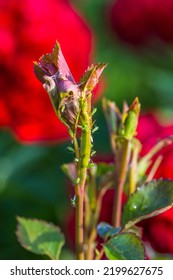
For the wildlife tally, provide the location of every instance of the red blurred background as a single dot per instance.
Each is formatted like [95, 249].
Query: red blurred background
[135, 38]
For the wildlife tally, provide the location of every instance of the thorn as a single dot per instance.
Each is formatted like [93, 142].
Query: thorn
[71, 149]
[62, 108]
[94, 111]
[95, 129]
[93, 153]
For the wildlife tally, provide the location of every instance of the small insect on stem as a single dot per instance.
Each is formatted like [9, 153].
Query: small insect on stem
[73, 201]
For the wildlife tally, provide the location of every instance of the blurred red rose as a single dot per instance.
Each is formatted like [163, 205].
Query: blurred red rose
[139, 22]
[158, 232]
[29, 29]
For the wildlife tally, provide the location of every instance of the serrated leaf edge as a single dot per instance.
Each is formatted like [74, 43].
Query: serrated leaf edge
[44, 222]
[158, 211]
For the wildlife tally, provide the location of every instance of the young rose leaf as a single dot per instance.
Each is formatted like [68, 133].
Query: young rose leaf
[51, 64]
[65, 94]
[91, 77]
[149, 200]
[112, 114]
[105, 230]
[53, 72]
[125, 246]
[39, 72]
[40, 237]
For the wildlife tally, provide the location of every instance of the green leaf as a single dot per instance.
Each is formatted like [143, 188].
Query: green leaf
[40, 73]
[149, 200]
[105, 230]
[112, 114]
[40, 237]
[91, 77]
[125, 246]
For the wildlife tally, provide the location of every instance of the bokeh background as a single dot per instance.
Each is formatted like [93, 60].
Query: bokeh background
[135, 38]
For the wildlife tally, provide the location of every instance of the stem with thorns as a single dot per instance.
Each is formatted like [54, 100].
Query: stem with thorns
[82, 165]
[79, 223]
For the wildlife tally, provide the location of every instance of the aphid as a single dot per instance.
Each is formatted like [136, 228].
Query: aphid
[73, 201]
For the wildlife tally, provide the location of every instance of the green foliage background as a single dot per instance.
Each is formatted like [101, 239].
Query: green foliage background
[31, 181]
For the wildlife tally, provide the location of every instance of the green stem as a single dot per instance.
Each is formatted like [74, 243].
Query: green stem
[101, 253]
[90, 250]
[85, 153]
[90, 226]
[79, 203]
[84, 159]
[87, 216]
[121, 173]
[95, 218]
[79, 223]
